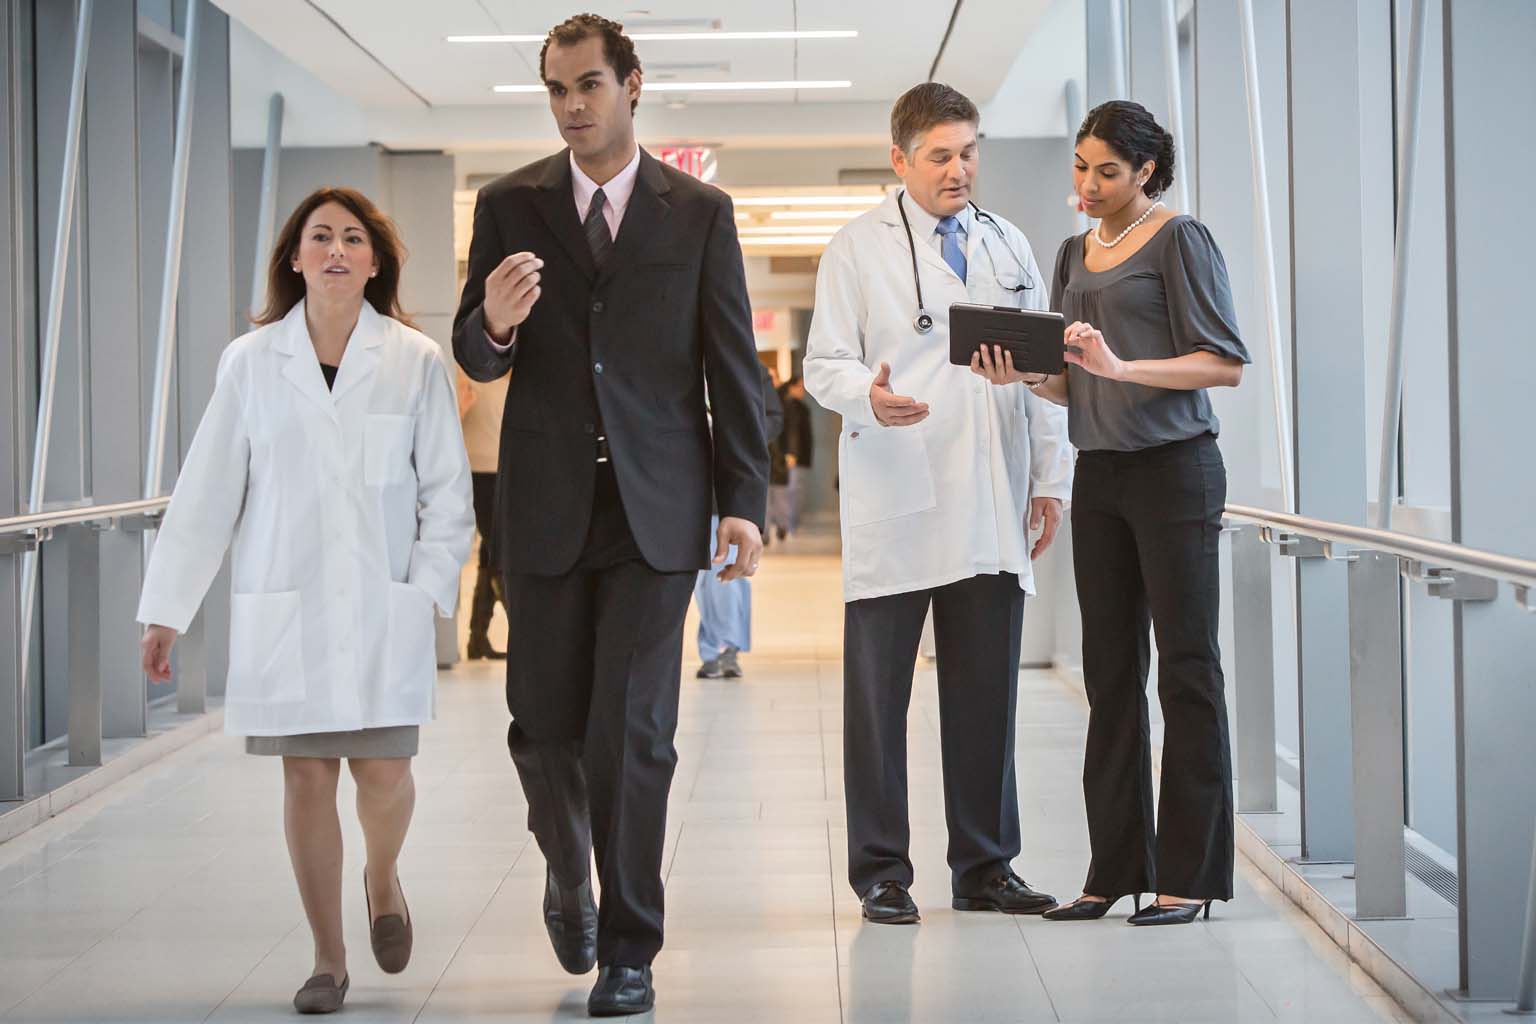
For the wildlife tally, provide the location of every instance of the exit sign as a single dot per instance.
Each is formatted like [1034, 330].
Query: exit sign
[698, 161]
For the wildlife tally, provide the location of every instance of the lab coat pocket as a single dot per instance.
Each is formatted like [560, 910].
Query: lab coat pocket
[266, 653]
[886, 474]
[411, 668]
[387, 446]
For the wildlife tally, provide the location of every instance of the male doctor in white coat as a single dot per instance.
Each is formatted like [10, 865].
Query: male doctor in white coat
[943, 477]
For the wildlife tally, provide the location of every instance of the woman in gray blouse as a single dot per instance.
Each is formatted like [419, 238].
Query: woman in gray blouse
[1151, 327]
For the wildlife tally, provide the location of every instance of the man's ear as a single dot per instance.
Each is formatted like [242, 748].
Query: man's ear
[898, 161]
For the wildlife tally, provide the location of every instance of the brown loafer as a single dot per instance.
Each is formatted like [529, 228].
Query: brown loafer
[321, 994]
[390, 935]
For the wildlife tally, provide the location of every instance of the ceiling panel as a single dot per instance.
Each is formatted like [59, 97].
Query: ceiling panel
[893, 50]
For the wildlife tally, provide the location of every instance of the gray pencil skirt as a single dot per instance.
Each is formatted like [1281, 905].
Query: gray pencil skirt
[390, 741]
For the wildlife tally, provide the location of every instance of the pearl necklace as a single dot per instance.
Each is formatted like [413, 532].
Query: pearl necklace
[1097, 237]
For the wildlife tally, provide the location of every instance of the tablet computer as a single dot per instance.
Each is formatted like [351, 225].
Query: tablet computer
[1034, 337]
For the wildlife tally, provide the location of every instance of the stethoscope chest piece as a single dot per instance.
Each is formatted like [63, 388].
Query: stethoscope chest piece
[922, 323]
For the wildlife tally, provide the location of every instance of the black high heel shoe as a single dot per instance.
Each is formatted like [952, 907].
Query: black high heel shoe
[1171, 913]
[1082, 909]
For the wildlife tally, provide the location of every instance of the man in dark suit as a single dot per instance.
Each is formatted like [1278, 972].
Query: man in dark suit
[613, 287]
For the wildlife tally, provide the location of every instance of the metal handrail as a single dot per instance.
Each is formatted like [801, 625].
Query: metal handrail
[25, 524]
[1520, 572]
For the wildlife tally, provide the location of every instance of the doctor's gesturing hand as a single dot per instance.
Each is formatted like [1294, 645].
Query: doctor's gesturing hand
[510, 292]
[1045, 516]
[156, 646]
[891, 409]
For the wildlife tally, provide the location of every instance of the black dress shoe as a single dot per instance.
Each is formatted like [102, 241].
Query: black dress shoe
[1171, 913]
[570, 915]
[890, 903]
[480, 647]
[1085, 909]
[1006, 893]
[621, 991]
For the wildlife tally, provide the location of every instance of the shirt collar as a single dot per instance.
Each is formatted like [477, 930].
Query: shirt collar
[617, 190]
[925, 224]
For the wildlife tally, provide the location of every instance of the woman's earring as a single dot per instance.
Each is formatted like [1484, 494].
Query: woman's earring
[295, 268]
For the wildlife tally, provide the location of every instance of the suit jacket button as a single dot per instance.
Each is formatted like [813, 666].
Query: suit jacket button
[597, 368]
[597, 307]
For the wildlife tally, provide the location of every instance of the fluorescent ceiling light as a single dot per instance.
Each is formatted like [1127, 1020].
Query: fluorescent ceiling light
[867, 200]
[658, 37]
[774, 229]
[787, 240]
[815, 214]
[704, 86]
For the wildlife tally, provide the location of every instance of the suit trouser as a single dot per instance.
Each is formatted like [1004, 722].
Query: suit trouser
[483, 603]
[977, 625]
[1145, 533]
[594, 661]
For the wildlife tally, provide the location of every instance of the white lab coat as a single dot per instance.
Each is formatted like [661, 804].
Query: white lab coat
[948, 499]
[350, 516]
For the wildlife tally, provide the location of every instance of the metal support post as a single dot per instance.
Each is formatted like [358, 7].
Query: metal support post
[192, 667]
[49, 370]
[1254, 657]
[1122, 59]
[1182, 156]
[1266, 246]
[84, 541]
[266, 218]
[1376, 734]
[165, 354]
[1392, 408]
[1525, 997]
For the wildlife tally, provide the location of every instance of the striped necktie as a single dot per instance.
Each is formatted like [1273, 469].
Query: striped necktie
[595, 227]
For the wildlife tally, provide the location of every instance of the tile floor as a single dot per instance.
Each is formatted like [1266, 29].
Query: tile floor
[168, 898]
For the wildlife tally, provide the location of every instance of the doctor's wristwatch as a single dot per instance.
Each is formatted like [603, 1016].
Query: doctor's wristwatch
[1034, 385]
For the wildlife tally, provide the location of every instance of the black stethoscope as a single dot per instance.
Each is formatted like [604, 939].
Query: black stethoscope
[923, 322]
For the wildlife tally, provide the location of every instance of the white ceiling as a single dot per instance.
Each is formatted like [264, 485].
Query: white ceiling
[389, 61]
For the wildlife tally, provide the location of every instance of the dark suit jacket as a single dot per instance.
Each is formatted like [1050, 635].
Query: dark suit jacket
[636, 343]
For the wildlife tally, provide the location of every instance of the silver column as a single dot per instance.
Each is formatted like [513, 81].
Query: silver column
[84, 541]
[1253, 637]
[1170, 15]
[266, 218]
[1376, 731]
[1266, 247]
[165, 353]
[48, 371]
[1392, 408]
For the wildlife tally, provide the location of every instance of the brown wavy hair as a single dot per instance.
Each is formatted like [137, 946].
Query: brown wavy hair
[285, 288]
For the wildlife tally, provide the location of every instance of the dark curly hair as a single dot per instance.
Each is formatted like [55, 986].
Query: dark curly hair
[1136, 137]
[618, 48]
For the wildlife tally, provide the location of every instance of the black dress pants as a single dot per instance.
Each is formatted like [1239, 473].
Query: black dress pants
[594, 661]
[483, 603]
[977, 626]
[1145, 529]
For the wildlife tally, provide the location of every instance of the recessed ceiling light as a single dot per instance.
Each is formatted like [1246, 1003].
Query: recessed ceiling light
[702, 86]
[866, 200]
[674, 37]
[815, 214]
[786, 240]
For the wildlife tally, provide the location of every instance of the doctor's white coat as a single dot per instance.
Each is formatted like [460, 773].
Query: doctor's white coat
[928, 505]
[350, 515]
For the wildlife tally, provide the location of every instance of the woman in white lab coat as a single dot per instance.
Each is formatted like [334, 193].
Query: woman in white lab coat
[331, 463]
